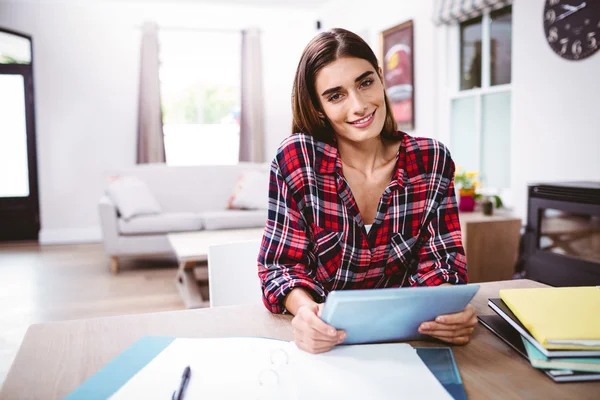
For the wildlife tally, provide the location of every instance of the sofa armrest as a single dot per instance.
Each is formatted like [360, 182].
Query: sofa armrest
[109, 224]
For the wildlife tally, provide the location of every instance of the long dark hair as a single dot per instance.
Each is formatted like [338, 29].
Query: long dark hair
[322, 50]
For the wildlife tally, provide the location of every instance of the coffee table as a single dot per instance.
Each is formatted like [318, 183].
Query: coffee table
[191, 248]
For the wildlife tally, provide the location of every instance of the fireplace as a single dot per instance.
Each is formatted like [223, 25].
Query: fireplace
[562, 238]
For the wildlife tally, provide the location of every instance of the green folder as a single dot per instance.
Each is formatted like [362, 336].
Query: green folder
[538, 360]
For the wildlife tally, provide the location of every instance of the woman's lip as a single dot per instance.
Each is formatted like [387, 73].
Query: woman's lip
[366, 123]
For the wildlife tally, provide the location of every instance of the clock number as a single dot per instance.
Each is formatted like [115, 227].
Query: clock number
[592, 40]
[565, 43]
[553, 34]
[550, 16]
[576, 48]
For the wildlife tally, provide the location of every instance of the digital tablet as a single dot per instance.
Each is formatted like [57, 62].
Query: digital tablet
[381, 315]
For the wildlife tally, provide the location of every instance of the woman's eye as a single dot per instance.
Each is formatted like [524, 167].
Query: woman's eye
[367, 83]
[334, 97]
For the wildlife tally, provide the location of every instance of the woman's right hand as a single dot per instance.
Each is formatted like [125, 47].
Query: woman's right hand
[313, 335]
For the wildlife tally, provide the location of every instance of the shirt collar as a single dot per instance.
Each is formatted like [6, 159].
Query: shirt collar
[328, 160]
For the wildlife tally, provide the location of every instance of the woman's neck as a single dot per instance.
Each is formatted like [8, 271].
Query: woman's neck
[366, 157]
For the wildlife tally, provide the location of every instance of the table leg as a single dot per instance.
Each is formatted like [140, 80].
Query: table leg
[188, 286]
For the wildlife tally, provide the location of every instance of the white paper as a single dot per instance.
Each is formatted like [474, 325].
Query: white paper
[377, 371]
[264, 369]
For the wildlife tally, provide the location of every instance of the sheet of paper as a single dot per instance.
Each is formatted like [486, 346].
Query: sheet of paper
[264, 369]
[378, 371]
[231, 368]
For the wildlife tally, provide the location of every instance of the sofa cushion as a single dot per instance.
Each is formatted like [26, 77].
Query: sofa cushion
[232, 219]
[251, 191]
[161, 223]
[132, 197]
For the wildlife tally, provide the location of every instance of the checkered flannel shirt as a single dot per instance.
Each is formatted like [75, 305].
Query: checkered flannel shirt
[315, 238]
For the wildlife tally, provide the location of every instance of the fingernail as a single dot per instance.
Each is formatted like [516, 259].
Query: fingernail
[439, 319]
[332, 332]
[424, 327]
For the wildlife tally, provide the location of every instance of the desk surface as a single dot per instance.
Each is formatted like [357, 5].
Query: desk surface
[55, 358]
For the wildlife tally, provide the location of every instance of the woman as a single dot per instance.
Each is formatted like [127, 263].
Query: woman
[354, 203]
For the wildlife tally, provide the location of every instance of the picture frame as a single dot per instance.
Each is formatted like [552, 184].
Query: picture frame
[397, 63]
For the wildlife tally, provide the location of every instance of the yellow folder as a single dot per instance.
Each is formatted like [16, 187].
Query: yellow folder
[558, 318]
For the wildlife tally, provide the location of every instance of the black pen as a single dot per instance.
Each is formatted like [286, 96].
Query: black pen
[185, 378]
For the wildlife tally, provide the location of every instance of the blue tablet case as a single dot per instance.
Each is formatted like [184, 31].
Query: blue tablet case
[381, 315]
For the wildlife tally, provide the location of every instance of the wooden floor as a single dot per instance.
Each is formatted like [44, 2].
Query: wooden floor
[50, 283]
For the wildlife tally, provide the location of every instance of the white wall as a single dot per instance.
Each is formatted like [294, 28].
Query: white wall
[556, 103]
[371, 18]
[556, 109]
[86, 56]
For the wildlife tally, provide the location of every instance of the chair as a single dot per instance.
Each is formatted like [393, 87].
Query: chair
[233, 274]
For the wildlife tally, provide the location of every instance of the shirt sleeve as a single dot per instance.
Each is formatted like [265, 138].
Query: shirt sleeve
[284, 260]
[442, 257]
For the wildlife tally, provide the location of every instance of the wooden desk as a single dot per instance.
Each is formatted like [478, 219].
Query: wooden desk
[491, 244]
[55, 358]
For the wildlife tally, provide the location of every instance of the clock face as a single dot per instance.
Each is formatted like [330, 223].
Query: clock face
[572, 27]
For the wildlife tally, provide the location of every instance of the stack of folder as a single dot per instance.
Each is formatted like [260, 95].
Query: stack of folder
[556, 329]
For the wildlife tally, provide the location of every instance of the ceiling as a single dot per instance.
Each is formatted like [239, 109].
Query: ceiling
[269, 3]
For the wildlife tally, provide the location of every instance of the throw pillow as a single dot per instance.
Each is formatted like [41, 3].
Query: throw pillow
[251, 191]
[132, 197]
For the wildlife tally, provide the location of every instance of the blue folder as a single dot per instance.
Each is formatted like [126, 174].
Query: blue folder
[122, 368]
[116, 373]
[440, 362]
[392, 314]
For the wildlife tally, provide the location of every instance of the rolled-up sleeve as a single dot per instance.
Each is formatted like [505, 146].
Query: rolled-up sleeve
[442, 257]
[284, 260]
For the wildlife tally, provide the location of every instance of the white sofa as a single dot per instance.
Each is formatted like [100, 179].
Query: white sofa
[191, 198]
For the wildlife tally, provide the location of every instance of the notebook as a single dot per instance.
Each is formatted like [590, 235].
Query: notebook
[558, 318]
[259, 368]
[392, 314]
[499, 327]
[502, 310]
[538, 360]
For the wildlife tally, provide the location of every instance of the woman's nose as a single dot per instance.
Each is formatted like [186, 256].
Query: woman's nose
[359, 105]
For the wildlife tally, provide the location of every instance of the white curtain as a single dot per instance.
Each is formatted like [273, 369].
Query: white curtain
[252, 137]
[150, 140]
[452, 11]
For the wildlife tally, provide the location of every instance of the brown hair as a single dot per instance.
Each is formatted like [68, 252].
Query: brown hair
[322, 50]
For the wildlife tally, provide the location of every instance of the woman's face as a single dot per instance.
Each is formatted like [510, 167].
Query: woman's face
[352, 98]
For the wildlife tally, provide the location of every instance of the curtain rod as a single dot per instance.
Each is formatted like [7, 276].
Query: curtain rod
[184, 29]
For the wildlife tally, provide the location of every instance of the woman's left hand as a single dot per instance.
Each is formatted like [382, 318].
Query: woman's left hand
[452, 328]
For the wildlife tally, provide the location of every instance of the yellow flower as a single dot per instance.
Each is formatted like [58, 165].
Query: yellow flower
[476, 184]
[472, 174]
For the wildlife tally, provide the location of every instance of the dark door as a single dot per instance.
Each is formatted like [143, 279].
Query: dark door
[19, 202]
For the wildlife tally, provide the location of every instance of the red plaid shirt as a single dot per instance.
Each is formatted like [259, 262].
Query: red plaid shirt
[315, 237]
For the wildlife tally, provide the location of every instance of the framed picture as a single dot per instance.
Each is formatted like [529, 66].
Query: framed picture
[397, 58]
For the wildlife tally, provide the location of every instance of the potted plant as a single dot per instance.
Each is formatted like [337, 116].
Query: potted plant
[467, 185]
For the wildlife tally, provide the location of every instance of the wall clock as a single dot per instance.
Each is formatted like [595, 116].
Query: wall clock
[572, 27]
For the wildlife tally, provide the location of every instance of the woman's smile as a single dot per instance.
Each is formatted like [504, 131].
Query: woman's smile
[365, 122]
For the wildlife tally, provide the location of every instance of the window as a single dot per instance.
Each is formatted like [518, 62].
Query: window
[14, 49]
[200, 91]
[480, 107]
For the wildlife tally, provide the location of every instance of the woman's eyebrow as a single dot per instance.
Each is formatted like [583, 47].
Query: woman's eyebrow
[335, 89]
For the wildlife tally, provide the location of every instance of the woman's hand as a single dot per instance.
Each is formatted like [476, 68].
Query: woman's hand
[452, 328]
[313, 335]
